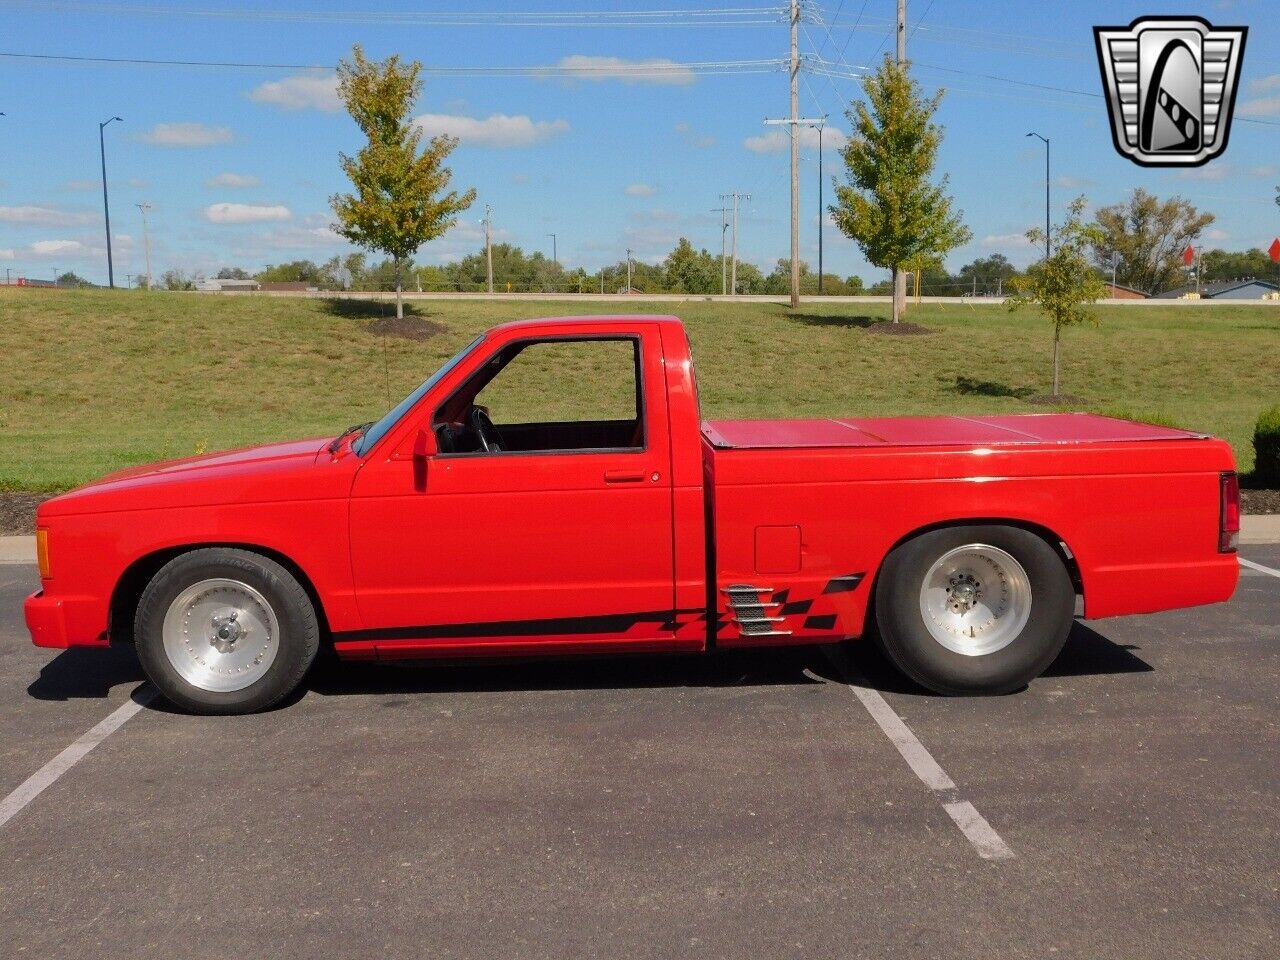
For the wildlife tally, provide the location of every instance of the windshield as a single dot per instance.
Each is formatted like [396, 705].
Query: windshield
[392, 417]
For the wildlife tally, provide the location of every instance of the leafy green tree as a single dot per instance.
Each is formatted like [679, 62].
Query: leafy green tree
[232, 273]
[1147, 235]
[888, 204]
[399, 202]
[1064, 285]
[299, 271]
[179, 280]
[72, 279]
[691, 271]
[1225, 265]
[991, 275]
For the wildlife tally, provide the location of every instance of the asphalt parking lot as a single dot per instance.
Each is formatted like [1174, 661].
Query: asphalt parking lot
[750, 806]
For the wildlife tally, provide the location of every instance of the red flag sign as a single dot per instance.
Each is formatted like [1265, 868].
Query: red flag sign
[1189, 255]
[1274, 250]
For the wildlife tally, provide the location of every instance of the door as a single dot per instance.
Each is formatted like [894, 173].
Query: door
[543, 517]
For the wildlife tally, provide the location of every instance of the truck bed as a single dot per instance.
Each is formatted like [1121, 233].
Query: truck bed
[992, 431]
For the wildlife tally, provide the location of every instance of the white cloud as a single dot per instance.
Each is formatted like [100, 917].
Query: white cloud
[656, 71]
[1261, 107]
[186, 135]
[1264, 170]
[640, 190]
[315, 90]
[777, 140]
[1213, 171]
[693, 137]
[44, 216]
[1269, 82]
[138, 183]
[1071, 183]
[245, 213]
[1217, 235]
[82, 185]
[8, 254]
[1004, 239]
[498, 130]
[233, 180]
[49, 248]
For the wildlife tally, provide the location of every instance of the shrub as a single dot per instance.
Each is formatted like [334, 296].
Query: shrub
[1266, 447]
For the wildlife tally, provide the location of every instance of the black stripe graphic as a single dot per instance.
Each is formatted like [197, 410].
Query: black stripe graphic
[554, 626]
[843, 584]
[824, 622]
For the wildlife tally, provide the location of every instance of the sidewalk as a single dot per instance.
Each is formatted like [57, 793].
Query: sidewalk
[1254, 528]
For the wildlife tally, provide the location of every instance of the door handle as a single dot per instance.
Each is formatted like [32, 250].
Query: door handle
[623, 476]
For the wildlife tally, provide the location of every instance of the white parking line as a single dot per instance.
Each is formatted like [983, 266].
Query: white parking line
[1259, 567]
[971, 823]
[47, 775]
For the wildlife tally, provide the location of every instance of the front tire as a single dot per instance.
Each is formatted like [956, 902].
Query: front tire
[223, 631]
[979, 609]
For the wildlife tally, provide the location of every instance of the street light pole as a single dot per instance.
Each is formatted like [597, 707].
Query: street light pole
[1046, 192]
[554, 256]
[106, 209]
[628, 270]
[144, 206]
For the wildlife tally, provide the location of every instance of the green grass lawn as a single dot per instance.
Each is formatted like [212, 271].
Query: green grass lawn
[95, 380]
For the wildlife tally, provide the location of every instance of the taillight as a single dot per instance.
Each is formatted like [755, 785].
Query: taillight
[1229, 514]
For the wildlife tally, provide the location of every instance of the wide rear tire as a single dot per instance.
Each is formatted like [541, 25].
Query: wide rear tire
[979, 609]
[222, 631]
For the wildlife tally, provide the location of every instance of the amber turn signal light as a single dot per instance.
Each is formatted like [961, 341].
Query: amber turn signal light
[42, 553]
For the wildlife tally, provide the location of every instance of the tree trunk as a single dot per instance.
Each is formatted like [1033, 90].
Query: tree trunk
[399, 299]
[1057, 340]
[899, 294]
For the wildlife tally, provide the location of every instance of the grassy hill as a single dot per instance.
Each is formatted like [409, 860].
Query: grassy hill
[91, 381]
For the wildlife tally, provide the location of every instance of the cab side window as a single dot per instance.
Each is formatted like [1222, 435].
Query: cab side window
[549, 396]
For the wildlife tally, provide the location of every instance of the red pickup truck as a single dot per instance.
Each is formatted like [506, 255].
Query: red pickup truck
[492, 512]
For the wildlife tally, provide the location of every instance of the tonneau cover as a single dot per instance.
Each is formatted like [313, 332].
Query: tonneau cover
[1055, 428]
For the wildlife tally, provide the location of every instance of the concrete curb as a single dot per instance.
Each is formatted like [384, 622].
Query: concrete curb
[1254, 528]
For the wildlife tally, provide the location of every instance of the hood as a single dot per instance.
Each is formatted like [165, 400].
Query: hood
[271, 471]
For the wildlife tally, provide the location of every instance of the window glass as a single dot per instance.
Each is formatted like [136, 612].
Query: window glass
[565, 381]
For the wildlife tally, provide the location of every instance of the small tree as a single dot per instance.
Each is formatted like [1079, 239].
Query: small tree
[1064, 285]
[399, 202]
[889, 206]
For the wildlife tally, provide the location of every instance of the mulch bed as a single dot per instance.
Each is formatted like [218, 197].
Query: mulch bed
[888, 328]
[18, 510]
[1061, 400]
[1259, 501]
[18, 513]
[409, 328]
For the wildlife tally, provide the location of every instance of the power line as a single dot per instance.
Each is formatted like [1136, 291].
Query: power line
[637, 69]
[673, 17]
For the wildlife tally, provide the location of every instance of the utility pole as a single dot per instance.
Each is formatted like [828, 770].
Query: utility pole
[488, 247]
[724, 263]
[900, 278]
[733, 259]
[1046, 192]
[145, 206]
[555, 258]
[821, 214]
[629, 270]
[902, 30]
[795, 123]
[106, 210]
[795, 152]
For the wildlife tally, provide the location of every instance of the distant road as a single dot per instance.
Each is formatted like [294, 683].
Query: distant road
[696, 298]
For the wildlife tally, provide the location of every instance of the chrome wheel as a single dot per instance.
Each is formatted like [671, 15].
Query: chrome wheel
[975, 599]
[221, 635]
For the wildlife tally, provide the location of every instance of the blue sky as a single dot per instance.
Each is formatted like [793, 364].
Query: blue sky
[238, 163]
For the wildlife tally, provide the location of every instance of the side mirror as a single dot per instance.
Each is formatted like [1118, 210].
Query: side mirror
[424, 445]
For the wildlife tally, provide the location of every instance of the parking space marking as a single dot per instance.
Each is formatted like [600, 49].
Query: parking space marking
[964, 814]
[47, 775]
[1259, 567]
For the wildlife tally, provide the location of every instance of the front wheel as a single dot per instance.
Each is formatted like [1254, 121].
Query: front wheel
[974, 609]
[222, 630]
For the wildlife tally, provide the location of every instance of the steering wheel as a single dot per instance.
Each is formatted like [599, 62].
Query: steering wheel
[485, 431]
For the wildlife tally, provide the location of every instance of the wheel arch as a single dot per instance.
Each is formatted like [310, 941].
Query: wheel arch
[1056, 541]
[133, 581]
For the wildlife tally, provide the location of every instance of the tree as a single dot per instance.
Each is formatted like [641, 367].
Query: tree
[889, 206]
[691, 271]
[1063, 285]
[72, 279]
[399, 202]
[991, 275]
[1227, 265]
[179, 280]
[232, 273]
[1148, 236]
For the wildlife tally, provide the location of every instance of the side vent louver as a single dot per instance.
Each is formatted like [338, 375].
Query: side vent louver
[754, 617]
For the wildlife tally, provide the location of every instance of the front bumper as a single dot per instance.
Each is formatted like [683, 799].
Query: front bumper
[48, 618]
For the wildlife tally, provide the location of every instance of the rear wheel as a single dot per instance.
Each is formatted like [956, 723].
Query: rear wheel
[222, 630]
[974, 609]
